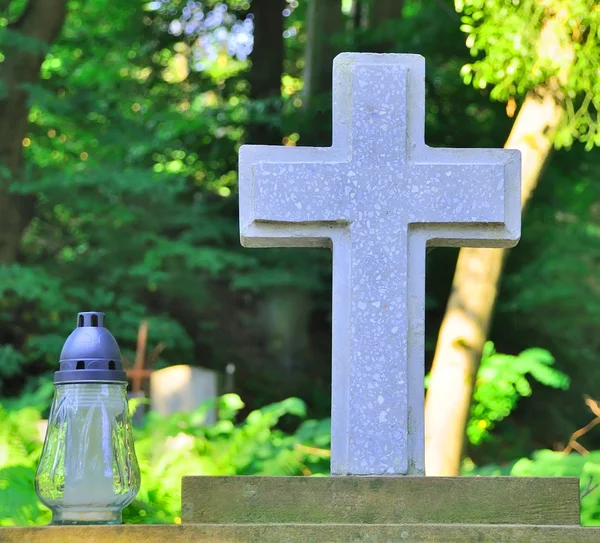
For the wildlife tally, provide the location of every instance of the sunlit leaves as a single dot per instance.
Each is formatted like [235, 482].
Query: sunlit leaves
[501, 380]
[509, 43]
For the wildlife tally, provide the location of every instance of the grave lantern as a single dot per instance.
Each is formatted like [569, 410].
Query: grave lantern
[88, 472]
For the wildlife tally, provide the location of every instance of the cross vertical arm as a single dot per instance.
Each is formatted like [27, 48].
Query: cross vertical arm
[377, 104]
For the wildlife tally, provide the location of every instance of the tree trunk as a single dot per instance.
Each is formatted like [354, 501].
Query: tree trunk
[381, 11]
[356, 15]
[324, 23]
[265, 74]
[41, 21]
[284, 311]
[380, 15]
[466, 323]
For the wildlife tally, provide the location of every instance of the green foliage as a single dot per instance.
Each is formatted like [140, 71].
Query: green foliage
[511, 44]
[20, 449]
[131, 156]
[502, 380]
[551, 294]
[169, 448]
[503, 36]
[129, 207]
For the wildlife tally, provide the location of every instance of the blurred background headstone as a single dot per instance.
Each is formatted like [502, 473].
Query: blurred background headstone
[183, 388]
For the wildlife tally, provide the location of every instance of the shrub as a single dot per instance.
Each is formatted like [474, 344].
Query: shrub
[169, 448]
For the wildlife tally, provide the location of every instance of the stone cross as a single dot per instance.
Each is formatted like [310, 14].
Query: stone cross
[378, 196]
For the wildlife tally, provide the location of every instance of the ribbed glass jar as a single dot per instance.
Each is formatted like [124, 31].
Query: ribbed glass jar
[88, 472]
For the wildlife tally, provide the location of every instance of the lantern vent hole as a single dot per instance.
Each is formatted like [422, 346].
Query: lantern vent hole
[111, 365]
[80, 365]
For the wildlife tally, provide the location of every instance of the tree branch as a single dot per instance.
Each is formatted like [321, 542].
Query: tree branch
[589, 488]
[573, 443]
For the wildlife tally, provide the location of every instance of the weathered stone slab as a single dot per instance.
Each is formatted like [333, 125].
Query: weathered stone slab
[381, 500]
[300, 533]
[183, 388]
[378, 196]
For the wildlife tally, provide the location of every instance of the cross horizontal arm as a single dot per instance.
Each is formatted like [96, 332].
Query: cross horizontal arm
[472, 192]
[261, 216]
[309, 192]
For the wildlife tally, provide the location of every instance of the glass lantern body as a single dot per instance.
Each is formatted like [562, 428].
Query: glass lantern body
[88, 472]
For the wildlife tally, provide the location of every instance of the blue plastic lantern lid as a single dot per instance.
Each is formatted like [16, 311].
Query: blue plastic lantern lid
[90, 354]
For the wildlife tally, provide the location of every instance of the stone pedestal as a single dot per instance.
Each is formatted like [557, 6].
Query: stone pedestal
[381, 500]
[302, 533]
[352, 509]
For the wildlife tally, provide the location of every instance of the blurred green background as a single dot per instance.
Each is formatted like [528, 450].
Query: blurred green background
[120, 124]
